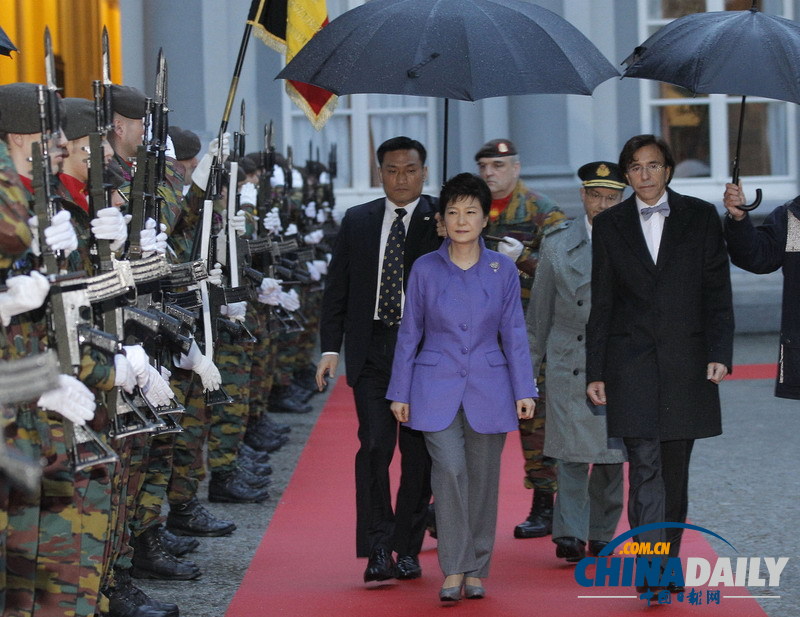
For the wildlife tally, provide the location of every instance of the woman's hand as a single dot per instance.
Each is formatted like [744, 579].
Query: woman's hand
[525, 407]
[400, 411]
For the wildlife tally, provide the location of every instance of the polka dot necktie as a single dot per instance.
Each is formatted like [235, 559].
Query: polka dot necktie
[392, 272]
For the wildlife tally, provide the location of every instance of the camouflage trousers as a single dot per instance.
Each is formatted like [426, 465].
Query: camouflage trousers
[157, 471]
[296, 349]
[540, 470]
[262, 370]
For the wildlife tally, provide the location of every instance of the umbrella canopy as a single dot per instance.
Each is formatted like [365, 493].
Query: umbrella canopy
[744, 53]
[6, 46]
[458, 49]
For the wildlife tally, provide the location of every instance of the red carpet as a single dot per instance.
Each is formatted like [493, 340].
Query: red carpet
[754, 371]
[306, 565]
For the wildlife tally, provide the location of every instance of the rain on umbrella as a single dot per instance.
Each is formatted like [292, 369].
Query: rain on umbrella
[6, 46]
[745, 53]
[451, 49]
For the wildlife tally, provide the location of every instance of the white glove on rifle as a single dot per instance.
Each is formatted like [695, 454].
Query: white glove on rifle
[215, 274]
[311, 209]
[124, 376]
[272, 221]
[156, 388]
[312, 271]
[321, 265]
[290, 301]
[322, 215]
[235, 311]
[291, 230]
[71, 399]
[314, 237]
[278, 177]
[59, 235]
[139, 361]
[169, 148]
[269, 292]
[510, 247]
[25, 293]
[239, 222]
[149, 241]
[111, 224]
[248, 194]
[203, 169]
[201, 364]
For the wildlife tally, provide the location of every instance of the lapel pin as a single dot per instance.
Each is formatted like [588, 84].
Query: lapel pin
[494, 265]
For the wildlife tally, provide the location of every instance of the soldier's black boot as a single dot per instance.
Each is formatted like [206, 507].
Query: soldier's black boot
[177, 545]
[264, 441]
[540, 521]
[151, 560]
[127, 600]
[192, 519]
[280, 401]
[230, 487]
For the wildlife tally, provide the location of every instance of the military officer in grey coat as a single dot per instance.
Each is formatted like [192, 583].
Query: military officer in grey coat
[589, 470]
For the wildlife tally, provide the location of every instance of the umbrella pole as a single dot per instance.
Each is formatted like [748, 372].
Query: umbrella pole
[735, 171]
[444, 141]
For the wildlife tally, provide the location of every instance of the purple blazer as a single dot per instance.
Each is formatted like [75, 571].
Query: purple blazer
[448, 350]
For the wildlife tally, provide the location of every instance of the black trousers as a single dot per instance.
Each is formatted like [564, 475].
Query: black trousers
[378, 525]
[658, 476]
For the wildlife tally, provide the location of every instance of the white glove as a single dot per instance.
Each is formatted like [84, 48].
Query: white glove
[269, 292]
[239, 222]
[510, 247]
[165, 372]
[235, 311]
[202, 365]
[215, 274]
[272, 221]
[290, 301]
[311, 209]
[314, 237]
[291, 230]
[25, 293]
[321, 265]
[150, 242]
[74, 401]
[111, 224]
[59, 235]
[278, 178]
[297, 179]
[156, 388]
[140, 363]
[124, 375]
[324, 178]
[203, 169]
[213, 146]
[248, 194]
[169, 149]
[322, 215]
[312, 271]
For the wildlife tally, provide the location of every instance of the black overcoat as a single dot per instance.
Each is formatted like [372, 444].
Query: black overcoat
[654, 327]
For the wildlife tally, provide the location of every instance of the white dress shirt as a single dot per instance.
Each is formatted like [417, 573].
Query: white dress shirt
[653, 227]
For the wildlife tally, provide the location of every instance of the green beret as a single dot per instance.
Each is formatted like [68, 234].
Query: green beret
[19, 108]
[186, 143]
[602, 174]
[128, 101]
[80, 119]
[496, 148]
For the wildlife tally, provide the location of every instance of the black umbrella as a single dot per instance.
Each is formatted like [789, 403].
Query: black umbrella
[744, 53]
[6, 46]
[460, 49]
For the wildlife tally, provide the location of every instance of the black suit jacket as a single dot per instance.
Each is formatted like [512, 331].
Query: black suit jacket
[351, 287]
[654, 327]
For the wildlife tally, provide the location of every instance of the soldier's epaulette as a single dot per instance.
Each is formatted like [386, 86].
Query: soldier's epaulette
[559, 226]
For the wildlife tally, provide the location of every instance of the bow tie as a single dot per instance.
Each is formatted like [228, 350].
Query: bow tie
[663, 208]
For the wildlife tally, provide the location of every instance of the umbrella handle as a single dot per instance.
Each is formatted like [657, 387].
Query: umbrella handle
[756, 201]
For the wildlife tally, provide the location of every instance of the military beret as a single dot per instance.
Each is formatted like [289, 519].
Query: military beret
[186, 143]
[602, 174]
[496, 148]
[80, 119]
[19, 108]
[128, 101]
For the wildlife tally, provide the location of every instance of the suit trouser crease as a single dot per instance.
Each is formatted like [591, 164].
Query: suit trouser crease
[589, 501]
[378, 525]
[465, 478]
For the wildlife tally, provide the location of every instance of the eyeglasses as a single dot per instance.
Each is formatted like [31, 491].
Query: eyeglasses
[609, 199]
[650, 167]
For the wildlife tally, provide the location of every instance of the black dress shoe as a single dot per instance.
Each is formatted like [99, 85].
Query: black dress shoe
[192, 519]
[569, 548]
[408, 567]
[177, 545]
[595, 546]
[230, 487]
[151, 560]
[380, 566]
[127, 600]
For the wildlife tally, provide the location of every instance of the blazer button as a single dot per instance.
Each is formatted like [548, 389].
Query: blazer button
[464, 350]
[576, 372]
[580, 337]
[463, 326]
[580, 302]
[463, 372]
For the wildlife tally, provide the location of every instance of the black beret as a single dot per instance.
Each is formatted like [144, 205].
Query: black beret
[186, 143]
[19, 108]
[128, 101]
[602, 174]
[80, 119]
[496, 148]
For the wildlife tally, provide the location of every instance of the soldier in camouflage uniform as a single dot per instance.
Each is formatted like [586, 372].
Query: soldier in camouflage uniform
[520, 216]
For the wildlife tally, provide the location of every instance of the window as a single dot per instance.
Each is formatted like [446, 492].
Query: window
[702, 129]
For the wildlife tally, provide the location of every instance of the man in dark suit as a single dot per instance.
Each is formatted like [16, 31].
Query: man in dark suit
[375, 248]
[660, 332]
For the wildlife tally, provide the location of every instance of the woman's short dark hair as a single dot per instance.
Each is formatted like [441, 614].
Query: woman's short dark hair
[640, 141]
[401, 143]
[462, 186]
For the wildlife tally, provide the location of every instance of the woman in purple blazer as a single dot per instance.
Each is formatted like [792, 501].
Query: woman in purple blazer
[462, 374]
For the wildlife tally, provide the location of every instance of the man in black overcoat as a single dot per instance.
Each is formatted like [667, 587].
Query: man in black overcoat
[660, 333]
[351, 311]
